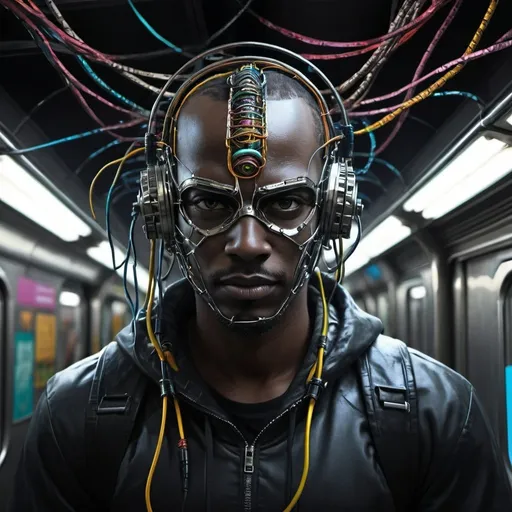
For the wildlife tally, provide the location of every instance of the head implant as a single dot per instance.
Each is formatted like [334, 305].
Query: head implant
[246, 138]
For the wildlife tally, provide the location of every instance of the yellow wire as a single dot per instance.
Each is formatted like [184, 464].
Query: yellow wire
[151, 293]
[100, 172]
[163, 357]
[438, 83]
[181, 430]
[157, 455]
[317, 369]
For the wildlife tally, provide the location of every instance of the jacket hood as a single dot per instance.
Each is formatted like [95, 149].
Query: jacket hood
[351, 332]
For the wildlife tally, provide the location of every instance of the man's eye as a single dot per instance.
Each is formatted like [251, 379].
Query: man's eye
[287, 203]
[208, 204]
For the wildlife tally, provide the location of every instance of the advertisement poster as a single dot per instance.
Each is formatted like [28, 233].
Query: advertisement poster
[35, 343]
[23, 399]
[46, 338]
[36, 295]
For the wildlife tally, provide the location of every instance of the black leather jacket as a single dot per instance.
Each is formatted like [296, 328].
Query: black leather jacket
[460, 466]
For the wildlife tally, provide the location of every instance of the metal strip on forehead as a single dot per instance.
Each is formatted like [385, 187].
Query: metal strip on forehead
[247, 122]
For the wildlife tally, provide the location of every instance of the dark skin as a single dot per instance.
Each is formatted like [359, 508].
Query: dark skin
[249, 366]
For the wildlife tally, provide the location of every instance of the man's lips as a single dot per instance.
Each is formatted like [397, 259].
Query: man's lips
[247, 287]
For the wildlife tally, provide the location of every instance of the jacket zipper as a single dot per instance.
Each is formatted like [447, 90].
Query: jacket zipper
[248, 471]
[248, 449]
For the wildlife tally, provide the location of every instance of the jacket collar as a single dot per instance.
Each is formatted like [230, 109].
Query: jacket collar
[351, 331]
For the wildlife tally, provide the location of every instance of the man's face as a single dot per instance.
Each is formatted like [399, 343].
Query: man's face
[248, 269]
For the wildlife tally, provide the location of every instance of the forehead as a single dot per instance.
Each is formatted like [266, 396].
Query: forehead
[292, 140]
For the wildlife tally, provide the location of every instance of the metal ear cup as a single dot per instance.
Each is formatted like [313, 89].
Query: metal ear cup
[340, 202]
[155, 202]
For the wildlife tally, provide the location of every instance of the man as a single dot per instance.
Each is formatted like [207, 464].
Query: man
[246, 346]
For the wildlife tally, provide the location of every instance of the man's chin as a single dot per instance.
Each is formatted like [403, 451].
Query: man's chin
[250, 318]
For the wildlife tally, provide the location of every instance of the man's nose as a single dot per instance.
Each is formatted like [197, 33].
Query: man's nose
[248, 240]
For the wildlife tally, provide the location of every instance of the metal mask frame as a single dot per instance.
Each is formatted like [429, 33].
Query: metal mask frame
[161, 197]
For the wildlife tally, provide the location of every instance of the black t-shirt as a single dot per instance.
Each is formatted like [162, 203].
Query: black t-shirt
[250, 419]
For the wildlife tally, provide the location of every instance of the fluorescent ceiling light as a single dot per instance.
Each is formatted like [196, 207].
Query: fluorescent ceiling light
[103, 255]
[387, 234]
[509, 119]
[25, 194]
[480, 165]
[118, 308]
[69, 299]
[418, 292]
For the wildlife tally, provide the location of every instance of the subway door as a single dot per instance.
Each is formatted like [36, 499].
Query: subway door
[485, 287]
[415, 313]
[72, 344]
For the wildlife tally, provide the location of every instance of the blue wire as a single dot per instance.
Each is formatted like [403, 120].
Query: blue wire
[369, 178]
[109, 89]
[389, 165]
[159, 282]
[109, 234]
[152, 30]
[125, 270]
[130, 174]
[55, 142]
[97, 79]
[80, 168]
[373, 147]
[135, 215]
[364, 197]
[124, 193]
[464, 94]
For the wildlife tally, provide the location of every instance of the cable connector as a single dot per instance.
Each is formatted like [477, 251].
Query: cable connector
[183, 454]
[322, 342]
[166, 385]
[315, 387]
[150, 143]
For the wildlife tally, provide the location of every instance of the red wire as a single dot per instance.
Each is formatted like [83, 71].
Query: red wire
[466, 58]
[419, 70]
[66, 72]
[84, 48]
[436, 5]
[355, 53]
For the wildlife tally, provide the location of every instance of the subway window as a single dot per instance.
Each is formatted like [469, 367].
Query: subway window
[416, 321]
[115, 315]
[383, 310]
[508, 366]
[359, 301]
[71, 332]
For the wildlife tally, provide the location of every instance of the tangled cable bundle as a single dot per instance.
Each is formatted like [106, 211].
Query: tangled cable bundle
[247, 127]
[246, 120]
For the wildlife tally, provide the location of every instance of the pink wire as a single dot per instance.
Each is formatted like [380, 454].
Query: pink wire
[355, 53]
[436, 4]
[84, 48]
[419, 70]
[344, 55]
[71, 78]
[466, 58]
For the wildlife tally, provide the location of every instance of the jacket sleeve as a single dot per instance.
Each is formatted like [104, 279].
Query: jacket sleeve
[45, 480]
[471, 476]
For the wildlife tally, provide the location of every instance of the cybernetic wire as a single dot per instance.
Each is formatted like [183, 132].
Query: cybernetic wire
[247, 126]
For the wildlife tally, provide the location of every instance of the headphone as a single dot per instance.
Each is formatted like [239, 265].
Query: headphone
[157, 197]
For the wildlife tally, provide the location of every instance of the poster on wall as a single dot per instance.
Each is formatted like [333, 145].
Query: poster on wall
[23, 399]
[46, 338]
[35, 343]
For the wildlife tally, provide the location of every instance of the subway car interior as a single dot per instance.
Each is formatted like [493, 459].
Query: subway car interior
[433, 260]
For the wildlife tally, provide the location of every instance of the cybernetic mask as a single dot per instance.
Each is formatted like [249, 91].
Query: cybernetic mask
[326, 208]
